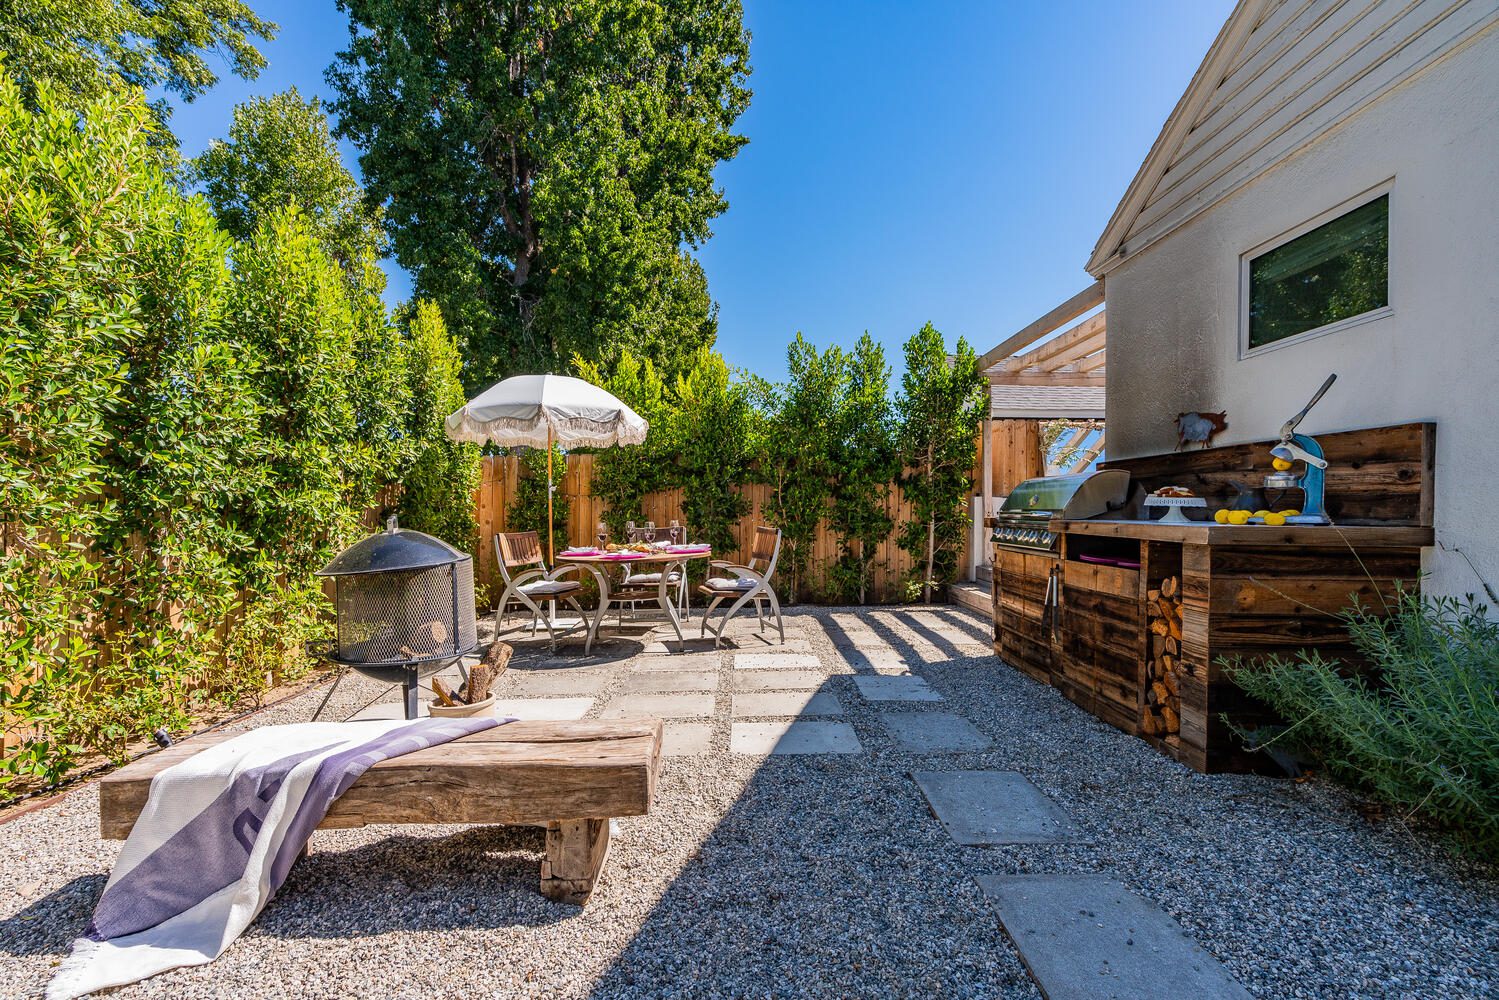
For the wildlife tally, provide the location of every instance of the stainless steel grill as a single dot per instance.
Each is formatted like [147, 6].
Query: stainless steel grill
[405, 604]
[1023, 522]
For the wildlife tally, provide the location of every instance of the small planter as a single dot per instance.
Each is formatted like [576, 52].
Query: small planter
[440, 711]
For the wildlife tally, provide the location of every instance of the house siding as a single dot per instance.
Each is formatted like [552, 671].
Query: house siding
[1174, 308]
[1306, 66]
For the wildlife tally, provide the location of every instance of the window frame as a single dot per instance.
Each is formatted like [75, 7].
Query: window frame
[1275, 242]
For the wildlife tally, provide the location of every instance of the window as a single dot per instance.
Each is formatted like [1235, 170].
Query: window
[1335, 272]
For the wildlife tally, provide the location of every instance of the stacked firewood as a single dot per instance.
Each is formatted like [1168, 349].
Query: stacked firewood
[1162, 716]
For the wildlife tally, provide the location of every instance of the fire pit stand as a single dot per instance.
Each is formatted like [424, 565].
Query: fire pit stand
[405, 604]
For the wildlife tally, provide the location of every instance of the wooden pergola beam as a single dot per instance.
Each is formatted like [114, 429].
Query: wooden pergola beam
[1074, 307]
[1092, 362]
[1083, 339]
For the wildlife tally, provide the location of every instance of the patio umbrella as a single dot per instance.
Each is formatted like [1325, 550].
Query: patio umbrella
[543, 410]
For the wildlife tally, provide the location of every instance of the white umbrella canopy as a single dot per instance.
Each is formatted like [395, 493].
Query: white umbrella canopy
[543, 410]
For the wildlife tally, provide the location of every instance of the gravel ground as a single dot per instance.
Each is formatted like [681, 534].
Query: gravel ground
[816, 876]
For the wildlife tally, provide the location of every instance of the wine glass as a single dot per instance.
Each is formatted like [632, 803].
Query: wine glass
[650, 531]
[629, 532]
[602, 534]
[675, 531]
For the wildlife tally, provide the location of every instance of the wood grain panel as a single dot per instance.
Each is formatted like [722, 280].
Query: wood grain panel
[1379, 475]
[518, 773]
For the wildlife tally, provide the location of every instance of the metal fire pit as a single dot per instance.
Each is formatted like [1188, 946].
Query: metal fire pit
[405, 603]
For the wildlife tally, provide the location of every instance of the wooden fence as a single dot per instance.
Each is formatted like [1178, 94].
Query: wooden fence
[574, 483]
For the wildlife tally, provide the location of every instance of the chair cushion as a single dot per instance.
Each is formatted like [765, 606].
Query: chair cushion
[635, 578]
[729, 583]
[549, 587]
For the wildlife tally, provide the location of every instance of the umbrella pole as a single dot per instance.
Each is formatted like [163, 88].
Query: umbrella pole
[551, 555]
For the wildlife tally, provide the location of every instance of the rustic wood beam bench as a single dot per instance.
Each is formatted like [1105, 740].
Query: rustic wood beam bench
[569, 777]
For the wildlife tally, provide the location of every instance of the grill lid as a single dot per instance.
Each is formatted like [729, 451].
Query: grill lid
[1086, 495]
[393, 550]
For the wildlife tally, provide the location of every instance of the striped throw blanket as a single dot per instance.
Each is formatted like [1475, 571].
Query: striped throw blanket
[216, 839]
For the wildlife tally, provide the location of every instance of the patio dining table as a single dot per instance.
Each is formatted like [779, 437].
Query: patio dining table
[663, 560]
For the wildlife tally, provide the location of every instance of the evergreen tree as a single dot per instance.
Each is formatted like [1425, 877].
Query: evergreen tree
[547, 167]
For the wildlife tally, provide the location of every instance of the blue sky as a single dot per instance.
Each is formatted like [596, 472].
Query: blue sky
[953, 165]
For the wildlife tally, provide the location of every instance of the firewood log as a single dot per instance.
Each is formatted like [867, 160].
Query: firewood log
[1170, 720]
[1160, 627]
[1149, 724]
[441, 690]
[1162, 695]
[1169, 587]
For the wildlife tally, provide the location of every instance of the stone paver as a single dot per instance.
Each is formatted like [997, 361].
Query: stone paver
[793, 738]
[769, 643]
[877, 661]
[686, 739]
[677, 661]
[691, 644]
[662, 706]
[671, 680]
[909, 688]
[1088, 937]
[760, 704]
[926, 732]
[778, 680]
[993, 807]
[531, 683]
[776, 661]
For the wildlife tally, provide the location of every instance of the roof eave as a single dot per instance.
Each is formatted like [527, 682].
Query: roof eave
[1110, 250]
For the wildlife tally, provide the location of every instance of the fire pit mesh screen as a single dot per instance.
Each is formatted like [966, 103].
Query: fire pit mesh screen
[405, 616]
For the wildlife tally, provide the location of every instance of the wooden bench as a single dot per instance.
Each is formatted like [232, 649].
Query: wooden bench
[569, 777]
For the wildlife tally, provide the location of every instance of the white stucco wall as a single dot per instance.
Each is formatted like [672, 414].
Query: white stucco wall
[1174, 308]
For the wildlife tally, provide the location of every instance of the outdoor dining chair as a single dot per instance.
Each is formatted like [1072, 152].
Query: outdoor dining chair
[530, 584]
[676, 578]
[749, 583]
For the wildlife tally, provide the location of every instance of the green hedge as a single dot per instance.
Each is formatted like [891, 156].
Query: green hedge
[189, 426]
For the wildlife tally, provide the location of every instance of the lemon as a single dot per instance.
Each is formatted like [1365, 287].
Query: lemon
[1221, 516]
[1280, 464]
[1260, 513]
[1289, 513]
[1275, 520]
[1238, 517]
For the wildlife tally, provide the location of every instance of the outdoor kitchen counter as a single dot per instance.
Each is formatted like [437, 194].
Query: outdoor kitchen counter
[1212, 533]
[1142, 618]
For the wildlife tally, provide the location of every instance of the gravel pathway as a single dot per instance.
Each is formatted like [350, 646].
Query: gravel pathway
[818, 875]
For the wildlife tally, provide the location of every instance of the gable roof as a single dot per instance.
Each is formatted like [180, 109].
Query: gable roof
[1231, 38]
[1280, 75]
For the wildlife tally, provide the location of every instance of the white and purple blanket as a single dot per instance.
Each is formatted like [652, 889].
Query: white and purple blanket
[217, 837]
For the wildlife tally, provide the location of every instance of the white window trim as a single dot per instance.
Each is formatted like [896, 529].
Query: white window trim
[1343, 208]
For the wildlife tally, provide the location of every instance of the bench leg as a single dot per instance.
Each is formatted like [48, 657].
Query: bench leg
[576, 849]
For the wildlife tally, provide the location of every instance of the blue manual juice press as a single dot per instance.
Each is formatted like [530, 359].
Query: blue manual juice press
[1312, 481]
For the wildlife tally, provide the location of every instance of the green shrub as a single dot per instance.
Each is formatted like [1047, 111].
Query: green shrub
[1422, 730]
[708, 433]
[527, 511]
[439, 481]
[189, 427]
[623, 475]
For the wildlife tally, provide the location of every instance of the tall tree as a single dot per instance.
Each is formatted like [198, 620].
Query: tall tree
[796, 452]
[547, 166]
[84, 46]
[863, 462]
[280, 152]
[942, 399]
